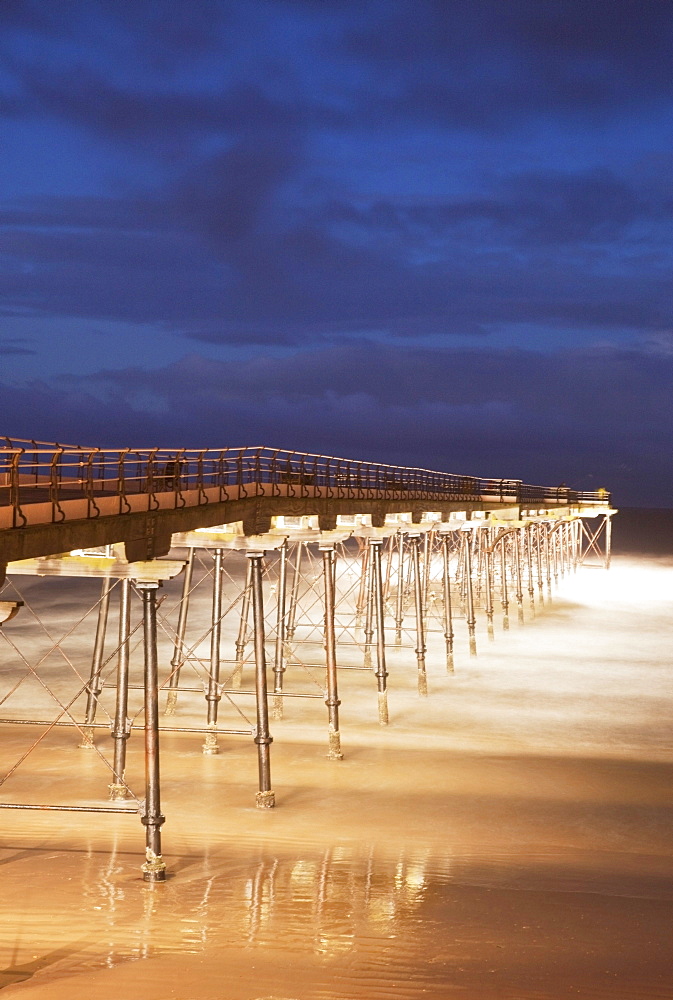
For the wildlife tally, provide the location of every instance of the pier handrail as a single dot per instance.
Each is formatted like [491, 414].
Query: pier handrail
[32, 472]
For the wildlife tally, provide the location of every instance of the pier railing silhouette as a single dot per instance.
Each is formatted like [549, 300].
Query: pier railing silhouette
[41, 484]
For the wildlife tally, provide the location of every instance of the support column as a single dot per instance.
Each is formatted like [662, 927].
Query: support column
[504, 598]
[265, 798]
[555, 551]
[538, 558]
[469, 598]
[213, 694]
[121, 729]
[381, 671]
[418, 602]
[369, 606]
[154, 869]
[576, 538]
[528, 543]
[241, 640]
[294, 594]
[608, 540]
[179, 650]
[519, 573]
[489, 591]
[427, 559]
[399, 604]
[548, 558]
[94, 686]
[279, 657]
[448, 616]
[362, 592]
[332, 699]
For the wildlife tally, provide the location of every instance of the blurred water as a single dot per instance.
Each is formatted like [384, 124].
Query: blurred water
[509, 836]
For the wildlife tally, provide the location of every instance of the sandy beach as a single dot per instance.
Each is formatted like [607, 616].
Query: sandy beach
[508, 836]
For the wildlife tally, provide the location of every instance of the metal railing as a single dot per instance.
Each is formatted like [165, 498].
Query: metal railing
[169, 478]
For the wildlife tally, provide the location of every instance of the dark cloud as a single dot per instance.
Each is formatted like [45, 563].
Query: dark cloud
[488, 64]
[212, 256]
[342, 180]
[15, 345]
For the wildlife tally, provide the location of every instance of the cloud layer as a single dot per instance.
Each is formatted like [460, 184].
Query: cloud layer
[408, 226]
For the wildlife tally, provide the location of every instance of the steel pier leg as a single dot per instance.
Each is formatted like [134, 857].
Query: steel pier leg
[241, 640]
[528, 542]
[469, 597]
[265, 798]
[399, 604]
[519, 572]
[294, 594]
[369, 607]
[381, 671]
[538, 559]
[121, 729]
[575, 539]
[94, 686]
[364, 569]
[548, 559]
[503, 584]
[489, 593]
[279, 657]
[389, 567]
[448, 616]
[179, 650]
[608, 540]
[154, 869]
[418, 601]
[332, 700]
[427, 550]
[555, 551]
[213, 694]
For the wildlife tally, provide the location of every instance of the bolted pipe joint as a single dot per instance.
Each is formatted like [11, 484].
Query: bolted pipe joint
[154, 867]
[118, 792]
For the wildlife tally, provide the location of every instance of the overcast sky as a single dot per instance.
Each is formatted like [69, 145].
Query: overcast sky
[428, 232]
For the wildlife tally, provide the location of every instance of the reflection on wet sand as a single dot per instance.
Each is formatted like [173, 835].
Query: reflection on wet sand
[509, 836]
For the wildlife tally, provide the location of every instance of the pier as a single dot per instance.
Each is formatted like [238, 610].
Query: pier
[307, 566]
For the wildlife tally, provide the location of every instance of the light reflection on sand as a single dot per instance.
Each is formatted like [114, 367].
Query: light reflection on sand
[510, 836]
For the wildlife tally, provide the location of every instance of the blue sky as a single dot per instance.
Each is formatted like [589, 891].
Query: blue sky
[433, 232]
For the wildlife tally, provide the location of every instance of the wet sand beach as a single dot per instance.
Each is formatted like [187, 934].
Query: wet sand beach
[508, 836]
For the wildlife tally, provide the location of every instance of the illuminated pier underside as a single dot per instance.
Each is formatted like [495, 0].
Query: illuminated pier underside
[319, 548]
